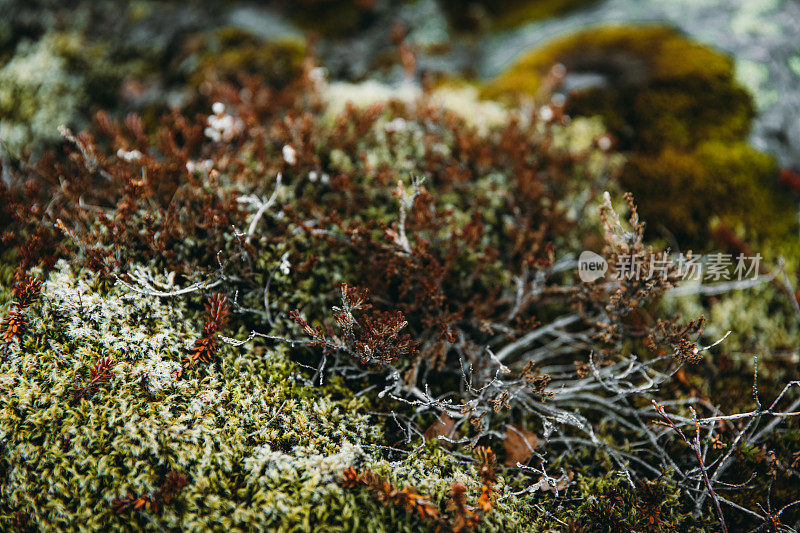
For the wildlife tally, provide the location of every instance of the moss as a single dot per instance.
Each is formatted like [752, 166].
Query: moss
[230, 52]
[679, 113]
[761, 320]
[675, 104]
[37, 94]
[507, 13]
[53, 82]
[63, 462]
[655, 48]
[716, 182]
[610, 504]
[659, 88]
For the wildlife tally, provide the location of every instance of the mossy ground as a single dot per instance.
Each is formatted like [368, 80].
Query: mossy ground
[63, 462]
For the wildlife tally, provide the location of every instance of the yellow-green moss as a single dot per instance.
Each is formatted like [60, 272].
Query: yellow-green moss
[661, 49]
[262, 450]
[684, 190]
[230, 52]
[661, 87]
[38, 92]
[506, 14]
[54, 81]
[675, 105]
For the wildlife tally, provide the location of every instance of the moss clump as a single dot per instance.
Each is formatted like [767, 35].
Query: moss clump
[52, 82]
[38, 92]
[230, 52]
[658, 87]
[676, 106]
[506, 13]
[731, 181]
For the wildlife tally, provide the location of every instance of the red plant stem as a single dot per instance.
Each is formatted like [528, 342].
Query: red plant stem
[696, 449]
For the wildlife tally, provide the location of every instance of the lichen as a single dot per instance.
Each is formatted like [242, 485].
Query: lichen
[37, 94]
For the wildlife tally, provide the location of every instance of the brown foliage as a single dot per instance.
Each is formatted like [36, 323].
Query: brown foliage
[154, 502]
[25, 291]
[217, 313]
[388, 494]
[672, 333]
[99, 373]
[444, 426]
[519, 445]
[366, 334]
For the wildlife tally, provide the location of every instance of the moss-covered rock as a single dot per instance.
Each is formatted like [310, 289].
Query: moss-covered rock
[676, 106]
[687, 191]
[229, 52]
[654, 87]
[468, 14]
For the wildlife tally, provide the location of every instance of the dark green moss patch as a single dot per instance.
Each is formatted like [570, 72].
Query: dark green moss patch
[675, 106]
[230, 52]
[730, 181]
[470, 14]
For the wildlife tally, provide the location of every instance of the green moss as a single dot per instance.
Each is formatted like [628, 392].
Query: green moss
[675, 104]
[655, 48]
[506, 14]
[716, 182]
[761, 320]
[62, 462]
[230, 52]
[37, 94]
[53, 82]
[660, 89]
[680, 112]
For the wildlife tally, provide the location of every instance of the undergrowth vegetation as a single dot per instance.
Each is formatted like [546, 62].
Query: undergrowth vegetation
[276, 315]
